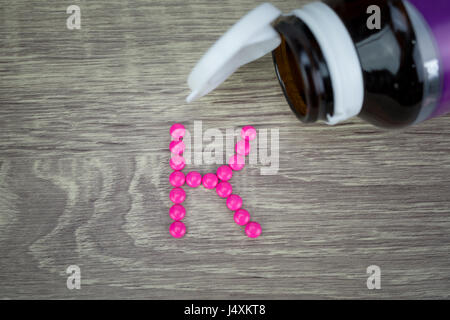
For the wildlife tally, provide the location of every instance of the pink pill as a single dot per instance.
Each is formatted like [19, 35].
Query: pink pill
[224, 173]
[210, 180]
[193, 179]
[177, 212]
[177, 195]
[234, 202]
[236, 162]
[177, 147]
[177, 178]
[177, 131]
[243, 147]
[241, 217]
[177, 229]
[224, 189]
[248, 133]
[177, 162]
[253, 229]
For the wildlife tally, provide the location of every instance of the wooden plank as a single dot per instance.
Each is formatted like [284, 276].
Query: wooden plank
[84, 122]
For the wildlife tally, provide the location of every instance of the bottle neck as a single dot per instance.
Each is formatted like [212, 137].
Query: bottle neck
[318, 66]
[302, 71]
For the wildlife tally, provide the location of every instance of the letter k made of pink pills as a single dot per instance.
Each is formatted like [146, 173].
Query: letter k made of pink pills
[218, 181]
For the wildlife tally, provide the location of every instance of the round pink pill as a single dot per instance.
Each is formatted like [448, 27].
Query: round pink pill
[210, 181]
[177, 131]
[224, 189]
[253, 229]
[236, 162]
[243, 147]
[177, 178]
[177, 147]
[248, 133]
[177, 162]
[234, 202]
[241, 217]
[193, 179]
[177, 195]
[177, 212]
[177, 229]
[224, 172]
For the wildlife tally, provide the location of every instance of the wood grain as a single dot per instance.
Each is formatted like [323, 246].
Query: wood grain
[84, 119]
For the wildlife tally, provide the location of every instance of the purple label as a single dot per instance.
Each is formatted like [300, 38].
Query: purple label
[437, 15]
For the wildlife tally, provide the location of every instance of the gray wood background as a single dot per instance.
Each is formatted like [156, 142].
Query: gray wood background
[84, 120]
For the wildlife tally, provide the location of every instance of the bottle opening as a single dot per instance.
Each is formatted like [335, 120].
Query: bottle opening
[290, 78]
[324, 61]
[302, 71]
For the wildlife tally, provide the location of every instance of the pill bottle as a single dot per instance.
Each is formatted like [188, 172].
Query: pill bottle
[386, 61]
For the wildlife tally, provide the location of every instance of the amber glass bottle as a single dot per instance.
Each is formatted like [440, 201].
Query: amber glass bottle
[386, 61]
[399, 60]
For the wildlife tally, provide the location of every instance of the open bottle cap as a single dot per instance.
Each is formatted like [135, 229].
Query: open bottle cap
[249, 39]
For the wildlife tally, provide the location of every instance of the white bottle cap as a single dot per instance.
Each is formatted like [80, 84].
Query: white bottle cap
[249, 39]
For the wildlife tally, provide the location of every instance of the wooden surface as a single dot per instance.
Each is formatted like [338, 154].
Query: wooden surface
[84, 119]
